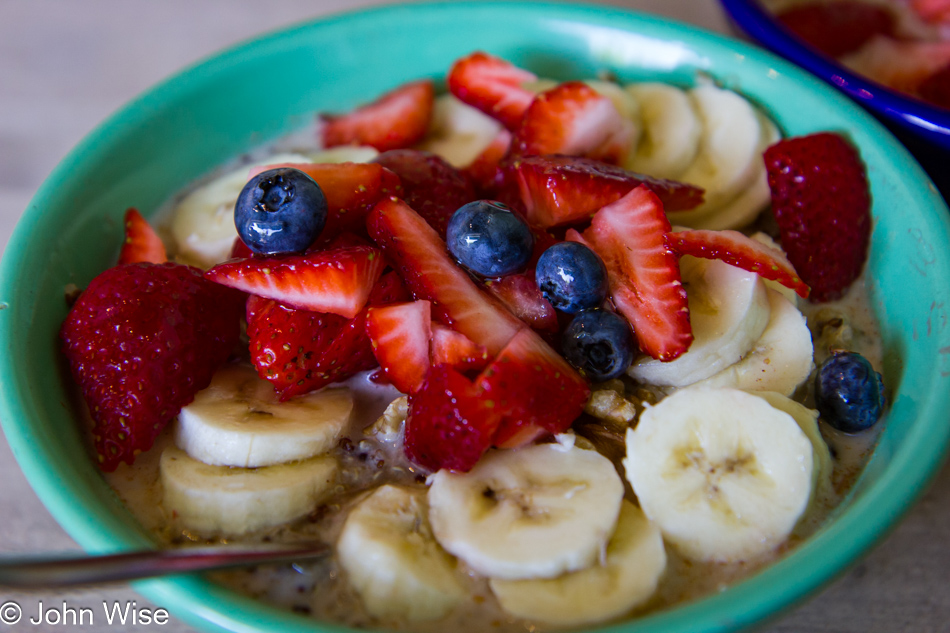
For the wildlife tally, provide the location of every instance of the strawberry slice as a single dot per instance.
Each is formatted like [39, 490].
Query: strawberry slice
[739, 250]
[450, 425]
[642, 271]
[935, 11]
[484, 171]
[240, 250]
[400, 336]
[559, 190]
[398, 119]
[351, 190]
[142, 244]
[493, 86]
[337, 281]
[449, 347]
[421, 258]
[300, 351]
[521, 295]
[534, 390]
[431, 186]
[837, 28]
[903, 66]
[936, 88]
[822, 204]
[574, 119]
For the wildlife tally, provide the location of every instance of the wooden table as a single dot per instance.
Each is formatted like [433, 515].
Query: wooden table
[64, 66]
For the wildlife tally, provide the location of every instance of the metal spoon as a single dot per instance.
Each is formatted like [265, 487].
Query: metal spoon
[38, 572]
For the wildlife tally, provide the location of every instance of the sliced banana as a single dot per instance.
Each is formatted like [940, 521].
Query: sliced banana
[746, 206]
[724, 474]
[728, 311]
[671, 131]
[203, 222]
[807, 420]
[779, 361]
[535, 512]
[238, 421]
[233, 501]
[626, 578]
[392, 560]
[458, 132]
[728, 148]
[343, 154]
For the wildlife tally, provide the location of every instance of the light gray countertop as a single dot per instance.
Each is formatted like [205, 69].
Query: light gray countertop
[65, 66]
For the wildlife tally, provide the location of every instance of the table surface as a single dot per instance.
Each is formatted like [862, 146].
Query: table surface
[65, 66]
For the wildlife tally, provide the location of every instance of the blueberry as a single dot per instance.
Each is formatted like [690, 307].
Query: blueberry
[488, 239]
[280, 211]
[571, 277]
[599, 344]
[849, 393]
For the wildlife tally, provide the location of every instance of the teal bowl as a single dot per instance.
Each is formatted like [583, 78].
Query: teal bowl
[219, 108]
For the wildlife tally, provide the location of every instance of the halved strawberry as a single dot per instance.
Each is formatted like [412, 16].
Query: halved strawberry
[493, 86]
[420, 256]
[534, 390]
[338, 281]
[299, 351]
[484, 170]
[822, 204]
[431, 186]
[643, 273]
[351, 190]
[400, 336]
[837, 28]
[449, 347]
[142, 244]
[742, 251]
[450, 425]
[521, 295]
[935, 11]
[559, 190]
[398, 119]
[574, 119]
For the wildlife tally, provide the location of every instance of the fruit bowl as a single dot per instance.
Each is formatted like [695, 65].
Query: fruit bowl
[215, 111]
[923, 127]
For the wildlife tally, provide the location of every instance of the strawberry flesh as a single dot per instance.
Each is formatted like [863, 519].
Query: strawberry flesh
[493, 86]
[431, 186]
[142, 244]
[822, 204]
[534, 390]
[936, 88]
[485, 171]
[423, 262]
[337, 281]
[643, 273]
[741, 251]
[300, 351]
[450, 425]
[141, 341]
[521, 295]
[449, 347]
[400, 336]
[558, 190]
[574, 119]
[396, 120]
[838, 28]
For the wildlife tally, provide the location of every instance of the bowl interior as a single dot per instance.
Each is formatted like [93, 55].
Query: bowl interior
[211, 112]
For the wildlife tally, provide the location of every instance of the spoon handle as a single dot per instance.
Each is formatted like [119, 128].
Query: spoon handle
[38, 572]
